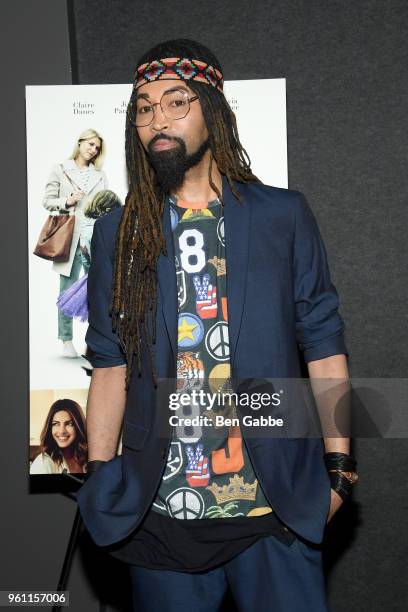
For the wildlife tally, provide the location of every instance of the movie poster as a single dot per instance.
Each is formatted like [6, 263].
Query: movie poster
[57, 118]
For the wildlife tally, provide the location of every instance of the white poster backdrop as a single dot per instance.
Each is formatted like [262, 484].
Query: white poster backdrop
[56, 115]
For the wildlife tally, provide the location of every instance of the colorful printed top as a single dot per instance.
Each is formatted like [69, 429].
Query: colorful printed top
[208, 472]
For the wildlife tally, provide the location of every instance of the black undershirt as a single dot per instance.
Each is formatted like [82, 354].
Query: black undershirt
[166, 543]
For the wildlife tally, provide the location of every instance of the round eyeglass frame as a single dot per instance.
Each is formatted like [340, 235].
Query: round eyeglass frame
[166, 93]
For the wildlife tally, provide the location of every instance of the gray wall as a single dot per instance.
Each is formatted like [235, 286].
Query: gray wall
[345, 65]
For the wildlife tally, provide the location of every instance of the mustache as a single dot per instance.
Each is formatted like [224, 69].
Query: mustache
[164, 137]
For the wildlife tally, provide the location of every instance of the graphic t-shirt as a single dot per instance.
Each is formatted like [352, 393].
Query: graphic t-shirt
[208, 472]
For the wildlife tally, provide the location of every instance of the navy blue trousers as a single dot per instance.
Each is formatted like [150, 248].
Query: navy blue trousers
[267, 576]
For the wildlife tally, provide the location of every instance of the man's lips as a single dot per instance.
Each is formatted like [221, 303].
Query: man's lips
[161, 145]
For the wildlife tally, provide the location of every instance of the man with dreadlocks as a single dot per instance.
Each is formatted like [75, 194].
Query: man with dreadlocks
[206, 276]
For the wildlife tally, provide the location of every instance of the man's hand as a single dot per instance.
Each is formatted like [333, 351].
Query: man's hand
[335, 503]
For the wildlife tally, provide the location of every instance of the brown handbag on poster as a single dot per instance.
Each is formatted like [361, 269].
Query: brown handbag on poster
[55, 238]
[54, 242]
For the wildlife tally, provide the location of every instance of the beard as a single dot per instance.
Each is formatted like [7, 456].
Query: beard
[171, 166]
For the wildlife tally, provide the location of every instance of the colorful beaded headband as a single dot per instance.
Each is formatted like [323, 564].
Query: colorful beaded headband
[179, 68]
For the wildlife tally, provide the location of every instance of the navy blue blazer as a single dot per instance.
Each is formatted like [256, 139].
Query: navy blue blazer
[280, 299]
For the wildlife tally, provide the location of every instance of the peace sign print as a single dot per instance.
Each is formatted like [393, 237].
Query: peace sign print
[221, 231]
[217, 341]
[185, 503]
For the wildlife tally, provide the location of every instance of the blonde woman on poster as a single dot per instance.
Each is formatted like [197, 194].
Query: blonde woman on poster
[63, 446]
[71, 185]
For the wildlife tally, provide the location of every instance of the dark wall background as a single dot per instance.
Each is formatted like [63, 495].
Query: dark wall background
[347, 90]
[34, 526]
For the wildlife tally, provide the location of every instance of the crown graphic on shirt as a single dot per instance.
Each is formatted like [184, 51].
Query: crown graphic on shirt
[236, 489]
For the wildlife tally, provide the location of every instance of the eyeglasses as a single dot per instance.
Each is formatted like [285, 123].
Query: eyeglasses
[175, 104]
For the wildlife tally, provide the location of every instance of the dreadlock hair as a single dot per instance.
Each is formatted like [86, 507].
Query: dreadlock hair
[140, 238]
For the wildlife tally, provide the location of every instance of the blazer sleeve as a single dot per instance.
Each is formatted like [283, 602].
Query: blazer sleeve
[319, 326]
[103, 342]
[52, 200]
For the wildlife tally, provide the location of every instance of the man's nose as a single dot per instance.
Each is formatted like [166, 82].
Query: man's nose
[160, 121]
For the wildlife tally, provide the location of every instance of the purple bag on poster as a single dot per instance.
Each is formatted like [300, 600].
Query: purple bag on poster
[73, 302]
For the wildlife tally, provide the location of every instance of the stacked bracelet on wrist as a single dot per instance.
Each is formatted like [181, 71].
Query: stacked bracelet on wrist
[336, 463]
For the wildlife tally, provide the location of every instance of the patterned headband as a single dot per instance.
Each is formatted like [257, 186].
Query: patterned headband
[178, 68]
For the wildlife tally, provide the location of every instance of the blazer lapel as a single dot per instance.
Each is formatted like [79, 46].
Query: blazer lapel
[94, 179]
[73, 173]
[70, 170]
[167, 280]
[237, 220]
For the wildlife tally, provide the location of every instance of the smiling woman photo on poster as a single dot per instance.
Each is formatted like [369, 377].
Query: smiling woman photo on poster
[63, 446]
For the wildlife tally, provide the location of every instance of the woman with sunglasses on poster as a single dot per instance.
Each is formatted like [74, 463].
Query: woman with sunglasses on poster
[63, 446]
[70, 187]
